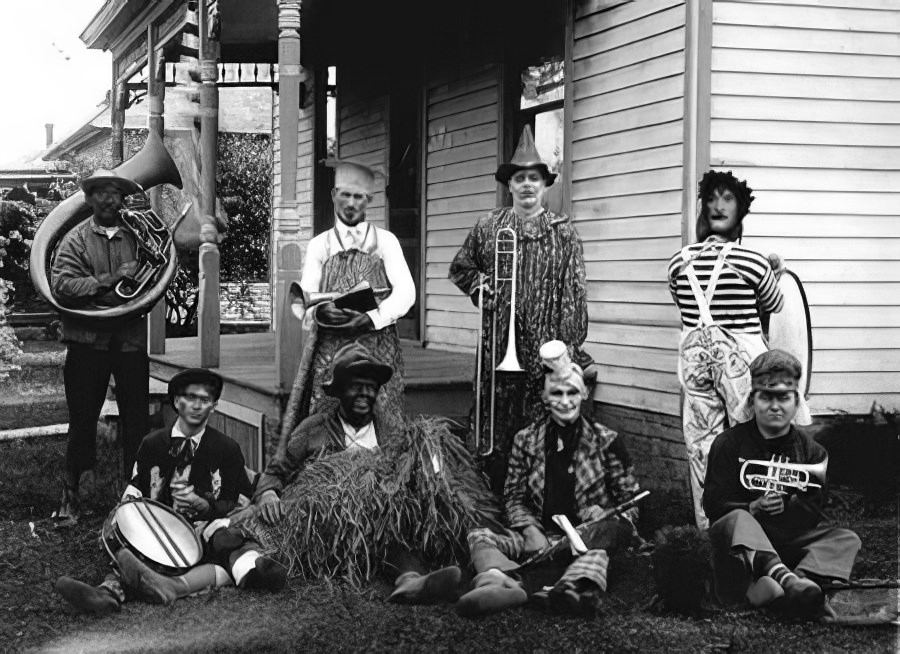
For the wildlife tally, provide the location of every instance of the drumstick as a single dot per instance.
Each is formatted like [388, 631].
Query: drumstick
[163, 530]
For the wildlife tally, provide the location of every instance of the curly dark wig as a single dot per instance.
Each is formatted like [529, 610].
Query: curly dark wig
[714, 180]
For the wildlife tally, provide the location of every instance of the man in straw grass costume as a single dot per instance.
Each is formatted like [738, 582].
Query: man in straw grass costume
[350, 497]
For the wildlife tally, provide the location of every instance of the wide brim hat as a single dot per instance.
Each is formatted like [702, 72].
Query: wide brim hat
[104, 176]
[526, 156]
[354, 360]
[195, 376]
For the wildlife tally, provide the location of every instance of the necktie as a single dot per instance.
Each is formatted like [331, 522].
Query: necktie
[354, 238]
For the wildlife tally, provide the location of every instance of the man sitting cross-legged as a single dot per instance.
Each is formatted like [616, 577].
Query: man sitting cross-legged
[768, 544]
[356, 378]
[562, 464]
[200, 473]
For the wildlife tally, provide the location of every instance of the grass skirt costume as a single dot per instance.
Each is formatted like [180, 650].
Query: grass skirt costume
[348, 511]
[342, 271]
[551, 304]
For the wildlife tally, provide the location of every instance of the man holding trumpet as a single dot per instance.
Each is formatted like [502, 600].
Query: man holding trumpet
[763, 493]
[523, 266]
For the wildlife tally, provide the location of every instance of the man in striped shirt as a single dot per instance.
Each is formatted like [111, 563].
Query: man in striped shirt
[720, 288]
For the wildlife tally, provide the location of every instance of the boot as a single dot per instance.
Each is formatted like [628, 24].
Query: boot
[267, 574]
[494, 591]
[764, 591]
[98, 600]
[803, 597]
[161, 589]
[434, 588]
[70, 506]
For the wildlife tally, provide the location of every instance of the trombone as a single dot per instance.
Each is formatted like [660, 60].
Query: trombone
[505, 271]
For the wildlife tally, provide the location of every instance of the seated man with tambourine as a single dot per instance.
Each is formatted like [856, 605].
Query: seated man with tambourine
[763, 497]
[186, 481]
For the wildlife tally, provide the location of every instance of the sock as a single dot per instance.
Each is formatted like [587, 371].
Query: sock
[780, 573]
[762, 562]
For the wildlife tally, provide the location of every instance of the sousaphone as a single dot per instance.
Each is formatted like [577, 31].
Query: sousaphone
[149, 167]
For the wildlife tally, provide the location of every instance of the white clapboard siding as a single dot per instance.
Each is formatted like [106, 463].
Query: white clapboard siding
[363, 122]
[806, 106]
[627, 141]
[462, 131]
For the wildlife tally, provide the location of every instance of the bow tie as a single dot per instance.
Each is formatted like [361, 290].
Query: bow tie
[182, 449]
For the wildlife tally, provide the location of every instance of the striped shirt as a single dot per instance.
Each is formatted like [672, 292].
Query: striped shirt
[746, 279]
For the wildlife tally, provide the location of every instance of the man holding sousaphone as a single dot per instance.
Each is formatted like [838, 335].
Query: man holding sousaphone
[171, 535]
[762, 494]
[93, 258]
[524, 262]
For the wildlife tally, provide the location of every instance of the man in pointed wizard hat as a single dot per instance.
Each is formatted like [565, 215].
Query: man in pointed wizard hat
[550, 299]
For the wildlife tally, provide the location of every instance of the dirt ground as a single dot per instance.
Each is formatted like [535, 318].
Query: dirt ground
[332, 617]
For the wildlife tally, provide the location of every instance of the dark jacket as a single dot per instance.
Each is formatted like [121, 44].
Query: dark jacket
[723, 491]
[217, 470]
[318, 435]
[82, 278]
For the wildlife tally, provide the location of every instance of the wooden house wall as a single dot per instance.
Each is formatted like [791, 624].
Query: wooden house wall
[627, 137]
[462, 108]
[806, 107]
[363, 128]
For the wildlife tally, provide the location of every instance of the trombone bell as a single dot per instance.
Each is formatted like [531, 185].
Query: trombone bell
[506, 270]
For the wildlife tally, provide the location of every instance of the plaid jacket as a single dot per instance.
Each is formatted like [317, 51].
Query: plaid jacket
[604, 474]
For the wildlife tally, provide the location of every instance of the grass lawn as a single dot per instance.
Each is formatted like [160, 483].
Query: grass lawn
[332, 617]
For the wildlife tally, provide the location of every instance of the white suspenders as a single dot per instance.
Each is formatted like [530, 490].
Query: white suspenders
[704, 298]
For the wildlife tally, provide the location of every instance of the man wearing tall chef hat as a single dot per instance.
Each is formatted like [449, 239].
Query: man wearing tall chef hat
[93, 257]
[768, 544]
[337, 261]
[550, 302]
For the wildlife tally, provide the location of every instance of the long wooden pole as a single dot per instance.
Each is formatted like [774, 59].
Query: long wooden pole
[156, 88]
[208, 315]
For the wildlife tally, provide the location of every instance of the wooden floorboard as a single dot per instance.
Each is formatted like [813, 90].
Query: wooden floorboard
[249, 359]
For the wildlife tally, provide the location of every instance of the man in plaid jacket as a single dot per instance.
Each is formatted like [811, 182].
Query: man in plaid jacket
[563, 464]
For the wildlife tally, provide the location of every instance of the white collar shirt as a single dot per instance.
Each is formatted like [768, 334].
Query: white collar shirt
[364, 437]
[374, 241]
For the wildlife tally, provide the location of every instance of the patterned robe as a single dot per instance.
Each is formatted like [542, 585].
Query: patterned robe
[343, 271]
[551, 303]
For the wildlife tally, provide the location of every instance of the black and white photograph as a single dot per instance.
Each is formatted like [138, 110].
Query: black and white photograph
[475, 326]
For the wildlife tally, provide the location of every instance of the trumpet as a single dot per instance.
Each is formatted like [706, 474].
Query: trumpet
[777, 475]
[505, 271]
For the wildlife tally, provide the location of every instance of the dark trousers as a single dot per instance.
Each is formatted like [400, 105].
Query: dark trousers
[86, 374]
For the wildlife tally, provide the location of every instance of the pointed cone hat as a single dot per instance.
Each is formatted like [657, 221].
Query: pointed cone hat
[525, 156]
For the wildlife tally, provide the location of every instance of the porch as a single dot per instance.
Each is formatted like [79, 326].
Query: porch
[437, 383]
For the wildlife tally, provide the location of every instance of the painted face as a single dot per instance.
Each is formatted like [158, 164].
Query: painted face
[194, 405]
[774, 410]
[528, 188]
[357, 400]
[722, 210]
[563, 400]
[350, 204]
[106, 201]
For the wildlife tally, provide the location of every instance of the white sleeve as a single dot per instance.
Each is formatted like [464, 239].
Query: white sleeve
[403, 290]
[311, 276]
